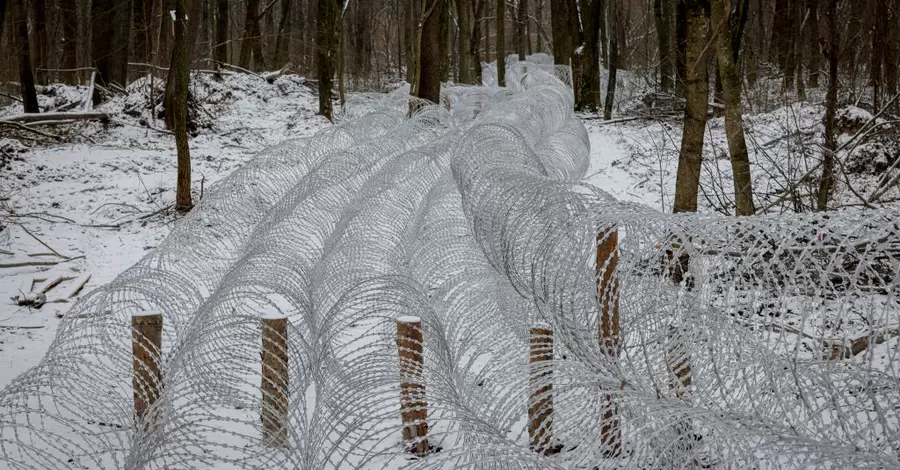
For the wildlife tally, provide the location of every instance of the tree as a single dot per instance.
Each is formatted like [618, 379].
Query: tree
[478, 7]
[251, 44]
[26, 75]
[521, 28]
[562, 32]
[220, 51]
[696, 92]
[176, 107]
[466, 74]
[662, 20]
[429, 81]
[326, 53]
[39, 18]
[501, 42]
[730, 25]
[615, 9]
[831, 50]
[587, 96]
[110, 40]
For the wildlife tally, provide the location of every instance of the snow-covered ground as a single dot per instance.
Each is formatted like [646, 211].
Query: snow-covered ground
[100, 200]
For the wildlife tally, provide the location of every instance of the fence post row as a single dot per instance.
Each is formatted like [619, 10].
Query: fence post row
[274, 358]
[146, 355]
[609, 334]
[413, 407]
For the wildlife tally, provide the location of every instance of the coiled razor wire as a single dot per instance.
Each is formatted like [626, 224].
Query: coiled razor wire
[763, 342]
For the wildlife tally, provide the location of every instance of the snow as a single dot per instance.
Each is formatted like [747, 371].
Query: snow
[65, 194]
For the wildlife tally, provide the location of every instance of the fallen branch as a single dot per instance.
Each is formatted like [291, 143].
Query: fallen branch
[38, 117]
[23, 127]
[272, 76]
[23, 327]
[22, 264]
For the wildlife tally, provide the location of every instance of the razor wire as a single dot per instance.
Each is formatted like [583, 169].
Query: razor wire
[665, 341]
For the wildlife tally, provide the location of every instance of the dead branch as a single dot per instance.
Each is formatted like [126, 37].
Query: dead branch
[22, 264]
[38, 117]
[23, 127]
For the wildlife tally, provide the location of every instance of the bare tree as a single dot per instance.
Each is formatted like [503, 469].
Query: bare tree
[429, 82]
[501, 42]
[176, 107]
[220, 51]
[615, 11]
[326, 52]
[521, 28]
[110, 39]
[466, 73]
[662, 22]
[26, 74]
[251, 44]
[830, 49]
[730, 29]
[587, 96]
[696, 91]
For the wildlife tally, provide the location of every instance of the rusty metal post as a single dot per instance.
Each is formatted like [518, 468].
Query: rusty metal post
[540, 397]
[609, 334]
[146, 355]
[413, 407]
[274, 356]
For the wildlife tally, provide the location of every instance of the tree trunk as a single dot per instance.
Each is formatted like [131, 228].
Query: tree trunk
[466, 74]
[476, 38]
[831, 49]
[728, 58]
[662, 39]
[342, 54]
[251, 44]
[69, 18]
[521, 28]
[281, 42]
[176, 109]
[539, 15]
[220, 51]
[111, 30]
[587, 97]
[604, 36]
[501, 42]
[562, 32]
[26, 75]
[814, 60]
[880, 42]
[615, 24]
[326, 52]
[696, 91]
[411, 20]
[41, 56]
[680, 45]
[429, 87]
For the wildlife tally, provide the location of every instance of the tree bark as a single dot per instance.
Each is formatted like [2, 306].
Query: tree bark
[429, 87]
[587, 97]
[814, 60]
[41, 59]
[220, 51]
[23, 52]
[662, 39]
[68, 17]
[562, 32]
[326, 52]
[478, 11]
[19, 23]
[831, 49]
[696, 91]
[251, 44]
[501, 42]
[521, 28]
[728, 57]
[604, 35]
[680, 45]
[111, 31]
[615, 11]
[466, 75]
[176, 107]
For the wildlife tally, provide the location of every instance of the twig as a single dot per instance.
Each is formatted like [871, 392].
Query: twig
[38, 263]
[23, 327]
[14, 98]
[23, 127]
[40, 241]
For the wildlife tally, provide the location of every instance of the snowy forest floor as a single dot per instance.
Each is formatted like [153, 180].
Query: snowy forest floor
[101, 197]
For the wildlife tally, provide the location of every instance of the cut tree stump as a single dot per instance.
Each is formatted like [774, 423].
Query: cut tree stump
[413, 407]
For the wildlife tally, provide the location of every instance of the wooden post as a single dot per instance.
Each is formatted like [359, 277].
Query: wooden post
[274, 356]
[413, 407]
[146, 355]
[540, 399]
[677, 356]
[608, 296]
